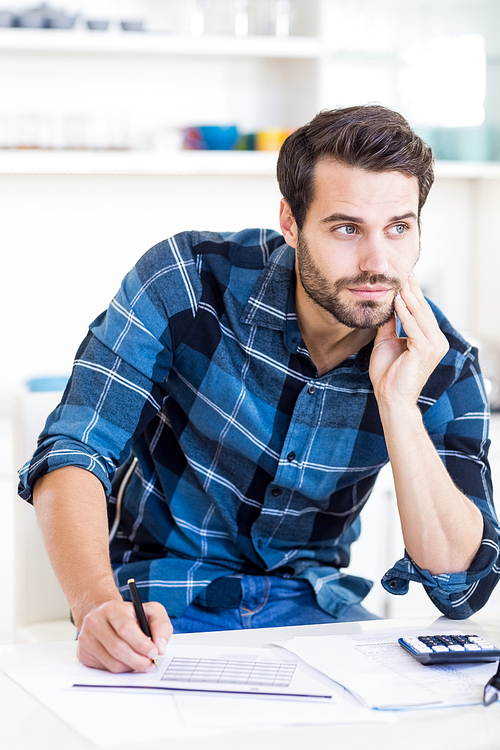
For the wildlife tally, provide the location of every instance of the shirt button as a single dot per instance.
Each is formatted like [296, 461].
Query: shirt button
[393, 583]
[276, 492]
[259, 543]
[311, 389]
[290, 456]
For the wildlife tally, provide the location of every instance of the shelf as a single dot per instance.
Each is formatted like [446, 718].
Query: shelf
[468, 170]
[138, 162]
[185, 163]
[151, 43]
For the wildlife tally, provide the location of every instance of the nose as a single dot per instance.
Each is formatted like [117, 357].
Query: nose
[373, 255]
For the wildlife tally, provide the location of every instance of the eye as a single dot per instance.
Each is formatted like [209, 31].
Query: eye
[346, 229]
[398, 229]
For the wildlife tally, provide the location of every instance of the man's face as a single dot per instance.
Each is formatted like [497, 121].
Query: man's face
[359, 242]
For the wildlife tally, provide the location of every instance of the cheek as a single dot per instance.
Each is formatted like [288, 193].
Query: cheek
[404, 263]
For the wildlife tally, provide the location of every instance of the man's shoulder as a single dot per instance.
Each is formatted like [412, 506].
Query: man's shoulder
[247, 248]
[175, 274]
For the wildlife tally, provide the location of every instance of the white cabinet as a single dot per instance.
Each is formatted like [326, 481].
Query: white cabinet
[128, 87]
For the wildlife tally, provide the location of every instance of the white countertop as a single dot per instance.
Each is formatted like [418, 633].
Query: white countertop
[26, 724]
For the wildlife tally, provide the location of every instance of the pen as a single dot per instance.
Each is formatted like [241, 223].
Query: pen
[492, 688]
[139, 610]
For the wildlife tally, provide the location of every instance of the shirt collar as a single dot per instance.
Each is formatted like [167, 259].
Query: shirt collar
[271, 302]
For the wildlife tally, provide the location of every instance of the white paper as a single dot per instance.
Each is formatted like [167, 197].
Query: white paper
[102, 716]
[214, 669]
[238, 713]
[381, 674]
[99, 716]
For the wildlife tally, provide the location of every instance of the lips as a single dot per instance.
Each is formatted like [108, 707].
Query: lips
[369, 292]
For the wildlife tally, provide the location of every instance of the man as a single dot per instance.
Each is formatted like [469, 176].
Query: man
[259, 382]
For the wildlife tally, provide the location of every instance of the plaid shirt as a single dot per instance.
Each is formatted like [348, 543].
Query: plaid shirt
[248, 462]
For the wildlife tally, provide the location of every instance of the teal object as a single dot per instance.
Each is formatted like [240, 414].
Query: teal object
[53, 383]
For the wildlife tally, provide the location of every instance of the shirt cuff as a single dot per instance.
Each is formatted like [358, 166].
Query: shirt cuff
[397, 579]
[66, 453]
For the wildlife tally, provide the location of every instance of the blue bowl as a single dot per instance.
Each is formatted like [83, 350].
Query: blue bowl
[219, 138]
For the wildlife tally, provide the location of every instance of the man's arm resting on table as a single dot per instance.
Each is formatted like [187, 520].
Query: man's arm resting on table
[70, 505]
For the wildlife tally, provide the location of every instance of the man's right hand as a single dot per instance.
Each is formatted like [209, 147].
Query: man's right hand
[70, 506]
[110, 637]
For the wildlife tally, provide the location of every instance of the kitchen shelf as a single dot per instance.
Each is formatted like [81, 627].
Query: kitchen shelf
[468, 169]
[138, 162]
[154, 43]
[185, 163]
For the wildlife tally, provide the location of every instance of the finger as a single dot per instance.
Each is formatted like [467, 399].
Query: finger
[421, 326]
[408, 320]
[414, 288]
[159, 624]
[423, 335]
[113, 627]
[92, 653]
[420, 311]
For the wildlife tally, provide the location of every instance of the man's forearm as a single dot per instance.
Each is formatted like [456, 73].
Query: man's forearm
[442, 528]
[71, 510]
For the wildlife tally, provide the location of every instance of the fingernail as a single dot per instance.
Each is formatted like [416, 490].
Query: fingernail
[153, 653]
[162, 645]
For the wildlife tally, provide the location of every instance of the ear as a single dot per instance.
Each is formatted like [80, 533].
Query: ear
[288, 224]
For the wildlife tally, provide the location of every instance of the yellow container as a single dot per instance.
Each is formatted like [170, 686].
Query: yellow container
[270, 140]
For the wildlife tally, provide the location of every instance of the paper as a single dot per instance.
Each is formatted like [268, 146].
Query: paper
[204, 712]
[102, 716]
[255, 671]
[98, 716]
[382, 675]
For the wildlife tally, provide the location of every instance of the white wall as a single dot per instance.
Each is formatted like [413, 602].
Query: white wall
[68, 240]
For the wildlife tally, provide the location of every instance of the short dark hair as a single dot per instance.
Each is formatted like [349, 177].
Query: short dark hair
[369, 137]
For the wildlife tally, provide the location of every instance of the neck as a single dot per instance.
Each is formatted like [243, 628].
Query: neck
[328, 341]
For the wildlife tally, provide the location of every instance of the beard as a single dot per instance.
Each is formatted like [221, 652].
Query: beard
[326, 294]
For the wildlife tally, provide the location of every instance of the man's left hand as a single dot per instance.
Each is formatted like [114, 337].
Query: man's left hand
[400, 367]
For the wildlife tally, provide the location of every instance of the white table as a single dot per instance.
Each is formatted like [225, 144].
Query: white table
[26, 725]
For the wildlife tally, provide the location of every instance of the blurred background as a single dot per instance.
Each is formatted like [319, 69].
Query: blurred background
[124, 121]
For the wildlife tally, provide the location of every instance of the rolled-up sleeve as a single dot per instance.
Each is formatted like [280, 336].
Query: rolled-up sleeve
[456, 595]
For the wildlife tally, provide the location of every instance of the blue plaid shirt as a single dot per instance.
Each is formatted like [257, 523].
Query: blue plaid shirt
[248, 462]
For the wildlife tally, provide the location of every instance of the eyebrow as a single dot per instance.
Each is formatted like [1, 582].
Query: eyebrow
[358, 220]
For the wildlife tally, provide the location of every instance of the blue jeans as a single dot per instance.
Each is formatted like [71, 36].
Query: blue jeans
[266, 602]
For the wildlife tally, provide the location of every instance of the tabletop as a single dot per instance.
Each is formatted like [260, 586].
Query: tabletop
[26, 723]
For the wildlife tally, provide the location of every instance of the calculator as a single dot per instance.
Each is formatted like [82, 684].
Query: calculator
[448, 649]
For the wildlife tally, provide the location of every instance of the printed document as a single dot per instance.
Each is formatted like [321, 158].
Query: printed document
[381, 674]
[210, 669]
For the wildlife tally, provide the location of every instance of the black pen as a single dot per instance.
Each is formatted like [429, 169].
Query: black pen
[139, 611]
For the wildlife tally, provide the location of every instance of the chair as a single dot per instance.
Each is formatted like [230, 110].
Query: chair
[42, 612]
